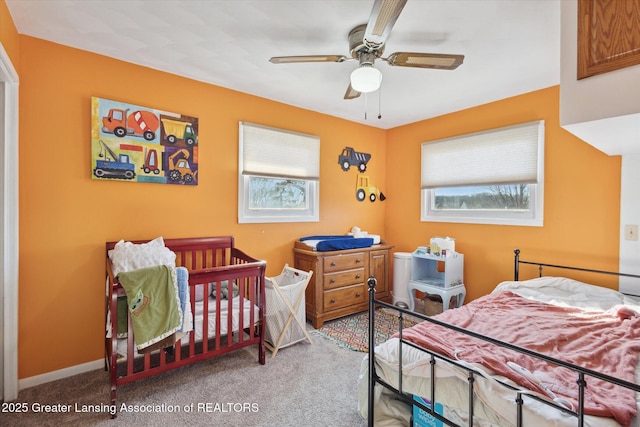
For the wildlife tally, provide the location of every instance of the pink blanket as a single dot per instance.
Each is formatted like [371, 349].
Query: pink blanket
[606, 342]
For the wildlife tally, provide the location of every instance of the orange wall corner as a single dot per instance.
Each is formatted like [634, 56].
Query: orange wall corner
[581, 201]
[9, 35]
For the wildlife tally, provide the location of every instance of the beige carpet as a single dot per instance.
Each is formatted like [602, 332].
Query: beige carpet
[304, 385]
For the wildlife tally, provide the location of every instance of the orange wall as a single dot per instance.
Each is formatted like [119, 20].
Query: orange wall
[66, 217]
[582, 196]
[9, 35]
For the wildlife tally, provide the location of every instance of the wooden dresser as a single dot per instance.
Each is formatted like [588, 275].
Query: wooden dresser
[338, 286]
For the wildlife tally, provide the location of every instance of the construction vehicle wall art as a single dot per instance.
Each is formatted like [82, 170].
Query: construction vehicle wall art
[133, 143]
[350, 157]
[364, 190]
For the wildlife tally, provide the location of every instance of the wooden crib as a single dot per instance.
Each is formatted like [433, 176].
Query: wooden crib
[220, 324]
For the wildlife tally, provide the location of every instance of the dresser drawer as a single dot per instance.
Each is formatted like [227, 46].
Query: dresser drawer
[344, 297]
[343, 278]
[344, 262]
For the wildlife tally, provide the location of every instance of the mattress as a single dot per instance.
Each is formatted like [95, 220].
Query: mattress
[494, 403]
[225, 316]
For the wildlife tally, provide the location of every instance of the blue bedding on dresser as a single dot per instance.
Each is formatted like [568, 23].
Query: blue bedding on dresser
[337, 243]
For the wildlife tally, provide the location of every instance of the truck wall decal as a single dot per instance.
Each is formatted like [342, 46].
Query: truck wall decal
[350, 157]
[140, 144]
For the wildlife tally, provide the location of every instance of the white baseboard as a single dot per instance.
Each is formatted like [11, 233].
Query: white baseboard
[60, 374]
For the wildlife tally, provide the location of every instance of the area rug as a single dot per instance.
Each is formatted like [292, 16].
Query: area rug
[352, 332]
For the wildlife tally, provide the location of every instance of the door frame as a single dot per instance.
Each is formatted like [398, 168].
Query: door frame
[9, 244]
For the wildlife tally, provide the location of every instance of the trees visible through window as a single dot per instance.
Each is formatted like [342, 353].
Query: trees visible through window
[490, 177]
[497, 197]
[278, 175]
[277, 193]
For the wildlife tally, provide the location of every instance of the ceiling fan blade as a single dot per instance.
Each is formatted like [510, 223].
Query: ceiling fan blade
[425, 60]
[308, 58]
[351, 93]
[383, 15]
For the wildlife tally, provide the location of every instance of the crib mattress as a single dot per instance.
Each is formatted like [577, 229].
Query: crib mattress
[237, 304]
[225, 317]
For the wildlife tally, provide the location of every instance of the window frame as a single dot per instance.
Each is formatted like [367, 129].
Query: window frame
[534, 217]
[246, 215]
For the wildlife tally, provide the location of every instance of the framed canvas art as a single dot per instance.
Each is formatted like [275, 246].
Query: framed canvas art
[141, 144]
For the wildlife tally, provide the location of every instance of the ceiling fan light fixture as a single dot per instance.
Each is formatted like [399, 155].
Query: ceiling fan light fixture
[366, 78]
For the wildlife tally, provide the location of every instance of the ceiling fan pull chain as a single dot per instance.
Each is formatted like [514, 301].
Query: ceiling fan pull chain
[365, 105]
[379, 103]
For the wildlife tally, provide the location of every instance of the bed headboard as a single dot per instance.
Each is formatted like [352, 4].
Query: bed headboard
[518, 261]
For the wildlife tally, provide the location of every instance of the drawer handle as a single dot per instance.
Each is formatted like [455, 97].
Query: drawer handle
[333, 264]
[358, 261]
[332, 300]
[357, 294]
[332, 281]
[357, 276]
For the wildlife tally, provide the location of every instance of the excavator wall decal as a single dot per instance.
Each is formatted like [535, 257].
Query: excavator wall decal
[139, 144]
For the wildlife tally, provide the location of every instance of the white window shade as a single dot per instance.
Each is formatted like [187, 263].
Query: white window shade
[508, 155]
[273, 152]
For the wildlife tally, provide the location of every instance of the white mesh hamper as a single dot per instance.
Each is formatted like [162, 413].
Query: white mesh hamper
[286, 316]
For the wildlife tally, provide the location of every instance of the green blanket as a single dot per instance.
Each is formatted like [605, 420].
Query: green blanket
[153, 299]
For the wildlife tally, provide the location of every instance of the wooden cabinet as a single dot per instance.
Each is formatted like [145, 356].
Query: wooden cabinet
[607, 35]
[338, 286]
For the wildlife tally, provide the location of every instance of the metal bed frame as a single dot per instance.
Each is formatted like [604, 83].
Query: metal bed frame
[581, 373]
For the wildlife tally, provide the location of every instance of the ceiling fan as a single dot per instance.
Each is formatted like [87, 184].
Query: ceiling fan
[366, 44]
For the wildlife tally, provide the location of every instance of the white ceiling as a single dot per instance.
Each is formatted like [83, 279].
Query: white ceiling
[510, 47]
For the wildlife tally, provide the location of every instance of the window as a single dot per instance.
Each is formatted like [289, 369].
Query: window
[279, 174]
[491, 177]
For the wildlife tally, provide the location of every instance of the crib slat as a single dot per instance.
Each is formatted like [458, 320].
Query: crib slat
[241, 294]
[252, 314]
[130, 345]
[205, 322]
[192, 333]
[218, 307]
[229, 317]
[163, 357]
[147, 361]
[177, 354]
